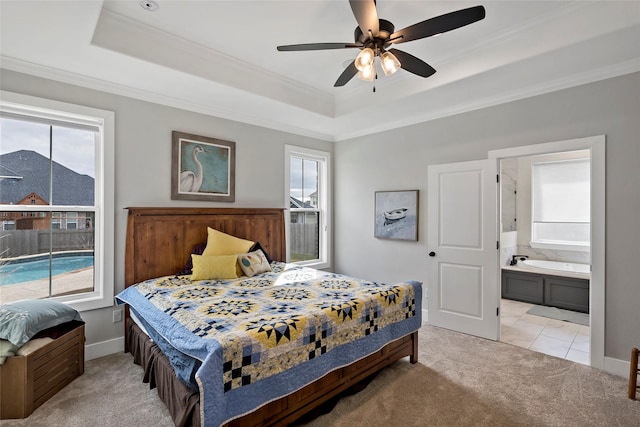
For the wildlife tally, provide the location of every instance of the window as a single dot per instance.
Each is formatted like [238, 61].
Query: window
[56, 201]
[561, 204]
[307, 190]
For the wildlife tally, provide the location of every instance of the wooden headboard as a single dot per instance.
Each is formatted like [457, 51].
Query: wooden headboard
[159, 240]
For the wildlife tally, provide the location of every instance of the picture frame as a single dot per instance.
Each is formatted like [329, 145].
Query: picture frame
[202, 168]
[396, 215]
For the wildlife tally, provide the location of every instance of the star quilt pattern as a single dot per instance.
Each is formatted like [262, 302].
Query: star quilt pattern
[255, 330]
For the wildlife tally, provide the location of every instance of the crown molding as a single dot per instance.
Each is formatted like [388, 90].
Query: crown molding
[602, 73]
[74, 79]
[567, 82]
[121, 34]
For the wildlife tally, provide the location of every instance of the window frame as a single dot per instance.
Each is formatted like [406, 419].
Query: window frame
[324, 202]
[47, 109]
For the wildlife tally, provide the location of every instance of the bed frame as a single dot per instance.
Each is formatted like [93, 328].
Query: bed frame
[158, 243]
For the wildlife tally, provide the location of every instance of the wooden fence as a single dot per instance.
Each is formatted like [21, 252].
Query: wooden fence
[303, 242]
[15, 243]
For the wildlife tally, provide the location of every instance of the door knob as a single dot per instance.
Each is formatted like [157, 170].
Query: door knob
[432, 253]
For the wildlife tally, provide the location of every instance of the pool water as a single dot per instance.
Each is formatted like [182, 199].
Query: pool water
[34, 270]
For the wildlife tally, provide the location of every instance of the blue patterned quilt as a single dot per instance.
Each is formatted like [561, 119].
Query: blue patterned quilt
[247, 341]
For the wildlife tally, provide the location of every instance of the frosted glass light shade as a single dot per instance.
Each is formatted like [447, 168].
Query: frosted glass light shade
[389, 63]
[364, 59]
[367, 74]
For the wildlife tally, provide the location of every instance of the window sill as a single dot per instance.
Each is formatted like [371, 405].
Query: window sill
[560, 246]
[318, 265]
[86, 303]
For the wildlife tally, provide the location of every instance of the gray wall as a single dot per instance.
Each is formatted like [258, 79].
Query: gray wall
[398, 159]
[143, 162]
[393, 160]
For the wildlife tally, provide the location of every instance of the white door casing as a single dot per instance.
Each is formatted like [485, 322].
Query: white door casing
[463, 254]
[597, 145]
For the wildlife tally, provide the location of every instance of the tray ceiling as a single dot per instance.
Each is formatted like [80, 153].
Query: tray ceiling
[220, 58]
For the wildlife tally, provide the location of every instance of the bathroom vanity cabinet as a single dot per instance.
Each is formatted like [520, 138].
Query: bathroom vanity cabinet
[543, 289]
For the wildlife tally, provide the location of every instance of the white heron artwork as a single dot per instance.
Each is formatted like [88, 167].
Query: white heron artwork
[190, 182]
[202, 168]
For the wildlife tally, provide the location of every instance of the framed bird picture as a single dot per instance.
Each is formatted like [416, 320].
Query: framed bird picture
[202, 168]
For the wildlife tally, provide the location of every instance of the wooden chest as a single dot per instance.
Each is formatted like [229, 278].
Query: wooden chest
[26, 382]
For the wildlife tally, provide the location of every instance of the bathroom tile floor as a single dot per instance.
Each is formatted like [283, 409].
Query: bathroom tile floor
[554, 337]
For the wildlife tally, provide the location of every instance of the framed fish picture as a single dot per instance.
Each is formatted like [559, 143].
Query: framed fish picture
[202, 168]
[396, 215]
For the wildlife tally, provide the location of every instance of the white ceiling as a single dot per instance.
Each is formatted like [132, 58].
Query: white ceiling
[220, 58]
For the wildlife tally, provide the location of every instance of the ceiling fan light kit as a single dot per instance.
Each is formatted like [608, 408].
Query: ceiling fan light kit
[374, 36]
[365, 63]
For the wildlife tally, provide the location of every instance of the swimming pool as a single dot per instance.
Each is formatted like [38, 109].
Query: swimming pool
[39, 269]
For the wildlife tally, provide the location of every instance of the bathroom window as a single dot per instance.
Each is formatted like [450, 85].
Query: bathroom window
[561, 204]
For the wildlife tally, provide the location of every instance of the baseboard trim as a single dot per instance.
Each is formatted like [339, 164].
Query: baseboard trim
[616, 367]
[103, 348]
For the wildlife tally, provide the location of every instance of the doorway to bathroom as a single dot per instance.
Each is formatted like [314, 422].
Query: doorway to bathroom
[549, 213]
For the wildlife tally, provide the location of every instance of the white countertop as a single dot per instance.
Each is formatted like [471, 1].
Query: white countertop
[522, 268]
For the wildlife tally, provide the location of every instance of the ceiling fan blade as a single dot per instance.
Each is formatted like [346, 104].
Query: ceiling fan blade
[346, 75]
[439, 24]
[316, 46]
[412, 64]
[366, 15]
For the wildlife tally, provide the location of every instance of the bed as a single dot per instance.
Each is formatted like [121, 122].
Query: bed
[285, 356]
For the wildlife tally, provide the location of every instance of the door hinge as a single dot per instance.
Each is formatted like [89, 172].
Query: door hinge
[497, 311]
[498, 245]
[497, 178]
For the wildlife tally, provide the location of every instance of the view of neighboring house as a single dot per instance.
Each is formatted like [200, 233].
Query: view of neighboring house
[25, 180]
[313, 199]
[298, 217]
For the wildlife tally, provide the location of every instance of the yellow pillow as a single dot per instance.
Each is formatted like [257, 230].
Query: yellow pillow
[214, 267]
[219, 243]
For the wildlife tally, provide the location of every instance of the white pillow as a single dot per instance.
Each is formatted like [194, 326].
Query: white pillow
[254, 263]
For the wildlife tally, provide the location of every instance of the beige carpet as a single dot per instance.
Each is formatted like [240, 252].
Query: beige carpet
[460, 381]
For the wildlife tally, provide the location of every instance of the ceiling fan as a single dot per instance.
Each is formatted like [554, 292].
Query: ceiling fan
[373, 36]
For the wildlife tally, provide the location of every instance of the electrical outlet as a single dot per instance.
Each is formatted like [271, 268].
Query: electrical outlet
[117, 316]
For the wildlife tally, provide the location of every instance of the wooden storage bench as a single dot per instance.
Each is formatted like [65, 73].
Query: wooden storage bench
[26, 382]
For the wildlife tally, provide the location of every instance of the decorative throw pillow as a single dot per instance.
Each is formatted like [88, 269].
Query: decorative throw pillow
[214, 267]
[257, 246]
[21, 320]
[219, 243]
[254, 263]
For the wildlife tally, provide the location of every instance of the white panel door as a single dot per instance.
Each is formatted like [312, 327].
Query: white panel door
[463, 284]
